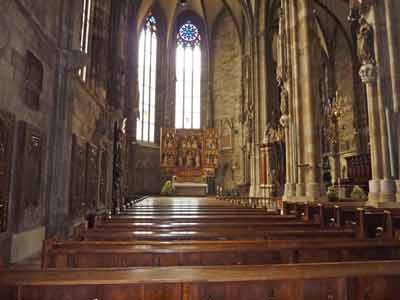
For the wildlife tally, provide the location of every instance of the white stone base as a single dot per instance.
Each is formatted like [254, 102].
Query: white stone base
[27, 244]
[190, 189]
[306, 199]
[290, 189]
[300, 189]
[382, 193]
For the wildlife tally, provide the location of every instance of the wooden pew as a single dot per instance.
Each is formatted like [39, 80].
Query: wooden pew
[340, 281]
[82, 255]
[266, 203]
[368, 222]
[202, 226]
[204, 218]
[272, 233]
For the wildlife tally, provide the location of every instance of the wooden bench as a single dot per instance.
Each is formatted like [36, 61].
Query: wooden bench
[350, 280]
[84, 255]
[368, 222]
[272, 233]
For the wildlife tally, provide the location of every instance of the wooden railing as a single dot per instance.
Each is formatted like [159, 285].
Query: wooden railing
[267, 203]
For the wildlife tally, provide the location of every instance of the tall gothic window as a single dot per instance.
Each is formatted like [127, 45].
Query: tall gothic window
[85, 32]
[188, 76]
[147, 81]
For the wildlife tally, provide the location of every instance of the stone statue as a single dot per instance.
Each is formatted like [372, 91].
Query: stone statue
[284, 101]
[268, 133]
[365, 43]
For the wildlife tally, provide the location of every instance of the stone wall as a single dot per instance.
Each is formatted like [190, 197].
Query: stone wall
[227, 99]
[28, 36]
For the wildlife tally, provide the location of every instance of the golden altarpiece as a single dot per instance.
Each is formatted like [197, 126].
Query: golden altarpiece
[190, 157]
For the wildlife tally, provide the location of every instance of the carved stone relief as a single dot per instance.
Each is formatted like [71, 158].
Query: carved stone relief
[30, 169]
[7, 124]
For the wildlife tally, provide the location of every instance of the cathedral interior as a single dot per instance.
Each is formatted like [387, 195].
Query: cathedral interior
[206, 106]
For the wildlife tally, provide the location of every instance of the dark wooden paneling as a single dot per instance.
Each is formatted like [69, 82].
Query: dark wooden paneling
[162, 291]
[103, 177]
[7, 125]
[92, 175]
[121, 292]
[78, 177]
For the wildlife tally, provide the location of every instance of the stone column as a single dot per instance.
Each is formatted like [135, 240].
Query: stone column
[369, 76]
[290, 188]
[311, 145]
[393, 19]
[61, 129]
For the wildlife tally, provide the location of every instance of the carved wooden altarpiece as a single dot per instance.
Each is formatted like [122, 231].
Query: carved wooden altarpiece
[30, 173]
[189, 153]
[7, 125]
[78, 177]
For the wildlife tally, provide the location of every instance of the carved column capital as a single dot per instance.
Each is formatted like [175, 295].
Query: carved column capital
[368, 73]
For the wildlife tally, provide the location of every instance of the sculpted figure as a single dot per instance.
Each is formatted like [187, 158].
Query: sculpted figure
[189, 160]
[365, 43]
[284, 101]
[197, 160]
[180, 160]
[194, 144]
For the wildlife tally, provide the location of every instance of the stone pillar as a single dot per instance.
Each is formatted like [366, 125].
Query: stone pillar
[397, 122]
[311, 146]
[290, 189]
[296, 105]
[61, 129]
[369, 76]
[393, 19]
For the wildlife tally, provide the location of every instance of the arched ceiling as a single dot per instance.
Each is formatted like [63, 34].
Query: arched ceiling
[207, 9]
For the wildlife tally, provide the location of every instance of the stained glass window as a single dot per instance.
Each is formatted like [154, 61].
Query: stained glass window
[85, 32]
[188, 77]
[147, 72]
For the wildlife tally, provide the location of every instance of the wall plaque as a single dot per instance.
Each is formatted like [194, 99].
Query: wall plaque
[7, 125]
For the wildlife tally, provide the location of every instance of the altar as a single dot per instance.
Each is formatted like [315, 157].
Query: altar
[190, 189]
[189, 157]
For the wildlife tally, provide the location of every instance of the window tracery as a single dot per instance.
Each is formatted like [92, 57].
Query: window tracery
[147, 71]
[188, 77]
